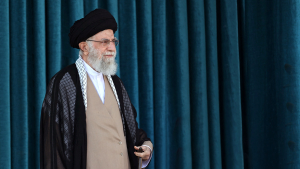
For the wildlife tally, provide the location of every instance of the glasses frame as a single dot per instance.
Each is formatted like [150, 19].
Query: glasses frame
[115, 41]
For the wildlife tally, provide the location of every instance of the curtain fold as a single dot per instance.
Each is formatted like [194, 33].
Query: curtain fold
[145, 68]
[53, 37]
[215, 82]
[36, 80]
[272, 84]
[18, 84]
[229, 85]
[213, 98]
[5, 131]
[159, 29]
[198, 84]
[178, 102]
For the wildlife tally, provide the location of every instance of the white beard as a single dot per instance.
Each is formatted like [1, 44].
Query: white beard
[106, 66]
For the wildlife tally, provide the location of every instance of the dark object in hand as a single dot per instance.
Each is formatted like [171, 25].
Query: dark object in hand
[140, 159]
[140, 150]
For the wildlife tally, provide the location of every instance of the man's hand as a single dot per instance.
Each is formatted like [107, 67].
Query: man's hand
[145, 155]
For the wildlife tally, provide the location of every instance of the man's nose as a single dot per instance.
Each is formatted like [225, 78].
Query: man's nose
[111, 46]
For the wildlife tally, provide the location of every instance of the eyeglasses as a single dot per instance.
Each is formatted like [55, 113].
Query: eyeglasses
[106, 42]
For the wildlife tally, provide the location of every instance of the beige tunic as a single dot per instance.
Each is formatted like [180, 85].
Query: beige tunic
[106, 143]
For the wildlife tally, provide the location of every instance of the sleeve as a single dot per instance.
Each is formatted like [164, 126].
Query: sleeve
[145, 163]
[143, 140]
[141, 134]
[150, 146]
[55, 131]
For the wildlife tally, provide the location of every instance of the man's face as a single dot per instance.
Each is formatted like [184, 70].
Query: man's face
[101, 56]
[103, 49]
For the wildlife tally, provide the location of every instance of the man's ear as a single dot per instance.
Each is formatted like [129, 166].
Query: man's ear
[84, 48]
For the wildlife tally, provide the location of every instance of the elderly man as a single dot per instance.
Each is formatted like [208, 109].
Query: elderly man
[87, 118]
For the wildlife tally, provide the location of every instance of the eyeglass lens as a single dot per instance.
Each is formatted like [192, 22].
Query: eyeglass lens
[106, 42]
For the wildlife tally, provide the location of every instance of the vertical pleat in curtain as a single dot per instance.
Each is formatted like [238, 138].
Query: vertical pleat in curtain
[53, 37]
[5, 132]
[229, 85]
[199, 68]
[272, 75]
[215, 82]
[145, 68]
[36, 62]
[160, 109]
[18, 84]
[178, 100]
[212, 81]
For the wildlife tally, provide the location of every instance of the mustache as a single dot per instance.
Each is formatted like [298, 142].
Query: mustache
[109, 53]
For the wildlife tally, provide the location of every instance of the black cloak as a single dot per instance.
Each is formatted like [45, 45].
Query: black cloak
[63, 138]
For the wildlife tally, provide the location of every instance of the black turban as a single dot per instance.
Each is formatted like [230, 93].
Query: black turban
[94, 22]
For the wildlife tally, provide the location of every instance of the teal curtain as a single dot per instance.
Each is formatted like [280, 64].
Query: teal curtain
[271, 71]
[216, 83]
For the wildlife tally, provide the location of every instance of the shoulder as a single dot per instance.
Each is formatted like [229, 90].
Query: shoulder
[68, 73]
[71, 70]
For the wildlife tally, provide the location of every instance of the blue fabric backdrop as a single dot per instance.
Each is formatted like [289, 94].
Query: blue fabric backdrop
[215, 82]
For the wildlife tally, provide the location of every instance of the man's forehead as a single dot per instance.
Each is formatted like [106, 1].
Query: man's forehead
[105, 33]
